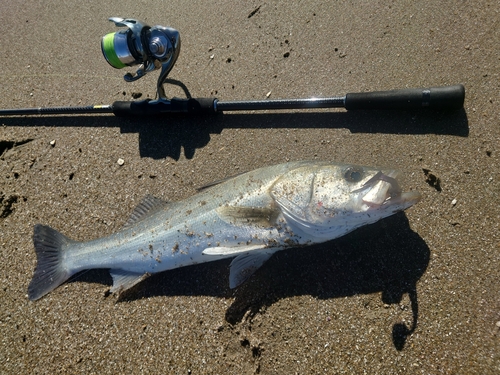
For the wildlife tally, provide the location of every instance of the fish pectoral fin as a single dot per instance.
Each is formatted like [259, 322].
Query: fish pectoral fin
[245, 265]
[148, 206]
[249, 216]
[123, 280]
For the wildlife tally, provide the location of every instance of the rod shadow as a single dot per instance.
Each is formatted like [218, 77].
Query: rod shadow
[168, 136]
[386, 257]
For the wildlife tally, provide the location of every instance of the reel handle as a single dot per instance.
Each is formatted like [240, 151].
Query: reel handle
[446, 97]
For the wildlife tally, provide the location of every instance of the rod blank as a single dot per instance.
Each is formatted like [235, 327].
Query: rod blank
[57, 110]
[447, 97]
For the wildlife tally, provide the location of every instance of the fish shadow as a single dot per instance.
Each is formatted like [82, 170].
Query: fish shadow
[386, 257]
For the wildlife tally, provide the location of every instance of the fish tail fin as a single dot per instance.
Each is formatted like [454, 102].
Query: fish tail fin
[50, 271]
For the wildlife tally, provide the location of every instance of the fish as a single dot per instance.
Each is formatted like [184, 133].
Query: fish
[248, 217]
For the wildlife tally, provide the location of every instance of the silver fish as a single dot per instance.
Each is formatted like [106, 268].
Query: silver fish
[248, 217]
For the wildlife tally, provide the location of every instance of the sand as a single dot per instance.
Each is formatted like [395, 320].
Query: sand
[414, 293]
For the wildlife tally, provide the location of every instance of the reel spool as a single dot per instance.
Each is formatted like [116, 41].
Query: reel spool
[149, 47]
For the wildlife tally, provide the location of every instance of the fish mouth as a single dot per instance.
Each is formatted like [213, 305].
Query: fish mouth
[384, 191]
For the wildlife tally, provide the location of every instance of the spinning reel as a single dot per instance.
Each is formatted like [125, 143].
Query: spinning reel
[149, 47]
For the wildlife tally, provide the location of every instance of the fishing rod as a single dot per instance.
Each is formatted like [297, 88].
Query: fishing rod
[157, 47]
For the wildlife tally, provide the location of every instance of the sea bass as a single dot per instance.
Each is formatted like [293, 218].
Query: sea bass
[248, 217]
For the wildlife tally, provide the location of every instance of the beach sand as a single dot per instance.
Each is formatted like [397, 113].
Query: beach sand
[414, 293]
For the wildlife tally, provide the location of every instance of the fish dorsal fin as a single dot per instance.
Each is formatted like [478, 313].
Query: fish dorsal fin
[249, 216]
[245, 265]
[148, 206]
[123, 280]
[214, 183]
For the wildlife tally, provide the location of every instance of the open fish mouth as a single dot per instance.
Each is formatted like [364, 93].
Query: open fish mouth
[383, 189]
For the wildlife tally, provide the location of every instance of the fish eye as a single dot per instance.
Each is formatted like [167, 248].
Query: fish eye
[353, 174]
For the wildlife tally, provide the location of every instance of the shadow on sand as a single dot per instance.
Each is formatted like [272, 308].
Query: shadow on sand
[169, 136]
[386, 257]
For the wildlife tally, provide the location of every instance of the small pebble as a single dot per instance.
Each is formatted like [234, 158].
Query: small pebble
[268, 94]
[53, 142]
[498, 324]
[121, 161]
[454, 202]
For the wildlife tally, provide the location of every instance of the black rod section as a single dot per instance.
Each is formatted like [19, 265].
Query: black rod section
[447, 97]
[57, 110]
[250, 105]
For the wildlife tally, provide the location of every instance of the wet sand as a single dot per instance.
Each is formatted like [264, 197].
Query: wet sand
[414, 293]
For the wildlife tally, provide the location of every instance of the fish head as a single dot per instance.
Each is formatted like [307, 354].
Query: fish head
[329, 200]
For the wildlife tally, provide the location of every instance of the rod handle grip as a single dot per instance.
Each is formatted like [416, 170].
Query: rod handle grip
[445, 97]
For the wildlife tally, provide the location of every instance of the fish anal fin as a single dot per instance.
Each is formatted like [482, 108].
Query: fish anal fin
[148, 206]
[245, 265]
[123, 280]
[249, 216]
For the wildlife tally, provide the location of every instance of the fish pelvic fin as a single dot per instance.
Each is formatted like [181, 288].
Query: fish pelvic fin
[245, 265]
[228, 251]
[50, 271]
